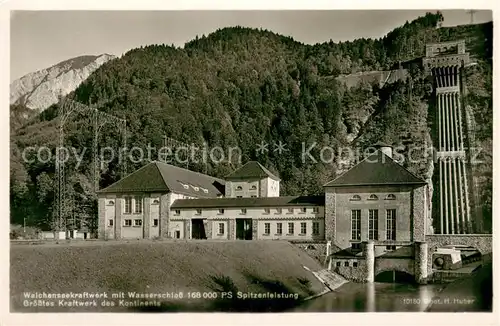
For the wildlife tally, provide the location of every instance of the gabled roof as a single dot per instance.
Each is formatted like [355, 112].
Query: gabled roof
[250, 202]
[162, 177]
[376, 169]
[251, 170]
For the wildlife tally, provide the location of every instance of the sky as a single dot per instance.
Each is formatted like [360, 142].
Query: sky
[40, 39]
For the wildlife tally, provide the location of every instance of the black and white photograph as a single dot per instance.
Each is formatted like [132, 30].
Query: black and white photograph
[250, 161]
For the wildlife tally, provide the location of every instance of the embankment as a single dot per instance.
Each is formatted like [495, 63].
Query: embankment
[160, 267]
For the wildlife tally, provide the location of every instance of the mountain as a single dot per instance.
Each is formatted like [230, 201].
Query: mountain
[239, 87]
[40, 89]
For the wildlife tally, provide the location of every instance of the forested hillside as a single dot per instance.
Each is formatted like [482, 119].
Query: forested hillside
[241, 86]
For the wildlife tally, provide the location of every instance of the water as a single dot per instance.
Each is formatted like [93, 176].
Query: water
[374, 297]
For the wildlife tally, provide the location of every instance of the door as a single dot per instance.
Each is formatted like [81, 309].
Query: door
[197, 229]
[244, 229]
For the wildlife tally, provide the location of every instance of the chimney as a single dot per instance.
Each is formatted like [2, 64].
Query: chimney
[384, 148]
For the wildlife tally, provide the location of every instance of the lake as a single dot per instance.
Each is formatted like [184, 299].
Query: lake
[381, 297]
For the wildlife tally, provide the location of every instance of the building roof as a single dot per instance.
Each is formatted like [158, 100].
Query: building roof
[250, 202]
[162, 177]
[377, 169]
[252, 170]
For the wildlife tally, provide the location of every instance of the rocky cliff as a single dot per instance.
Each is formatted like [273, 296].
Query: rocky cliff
[40, 89]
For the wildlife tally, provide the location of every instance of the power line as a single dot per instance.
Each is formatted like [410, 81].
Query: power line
[63, 206]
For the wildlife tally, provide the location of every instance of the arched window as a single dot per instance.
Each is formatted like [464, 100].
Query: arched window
[239, 188]
[390, 197]
[373, 197]
[253, 187]
[111, 203]
[156, 201]
[356, 197]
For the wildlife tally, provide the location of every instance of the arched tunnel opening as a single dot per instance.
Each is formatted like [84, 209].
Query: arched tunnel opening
[394, 277]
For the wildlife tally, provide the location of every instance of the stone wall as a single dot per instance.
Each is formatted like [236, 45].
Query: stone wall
[187, 229]
[164, 215]
[421, 261]
[419, 213]
[255, 230]
[207, 224]
[350, 272]
[315, 249]
[330, 214]
[101, 226]
[146, 223]
[232, 229]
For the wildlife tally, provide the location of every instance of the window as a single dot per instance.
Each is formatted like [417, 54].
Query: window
[279, 228]
[253, 196]
[290, 211]
[239, 188]
[221, 211]
[267, 210]
[278, 210]
[186, 186]
[128, 205]
[253, 187]
[221, 228]
[355, 264]
[138, 205]
[346, 264]
[356, 224]
[155, 222]
[239, 196]
[303, 210]
[137, 222]
[373, 224]
[243, 211]
[290, 228]
[390, 197]
[315, 228]
[196, 188]
[356, 246]
[177, 212]
[156, 201]
[110, 223]
[205, 190]
[391, 224]
[338, 264]
[356, 198]
[127, 222]
[303, 228]
[315, 210]
[373, 197]
[390, 248]
[111, 203]
[267, 228]
[177, 234]
[198, 212]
